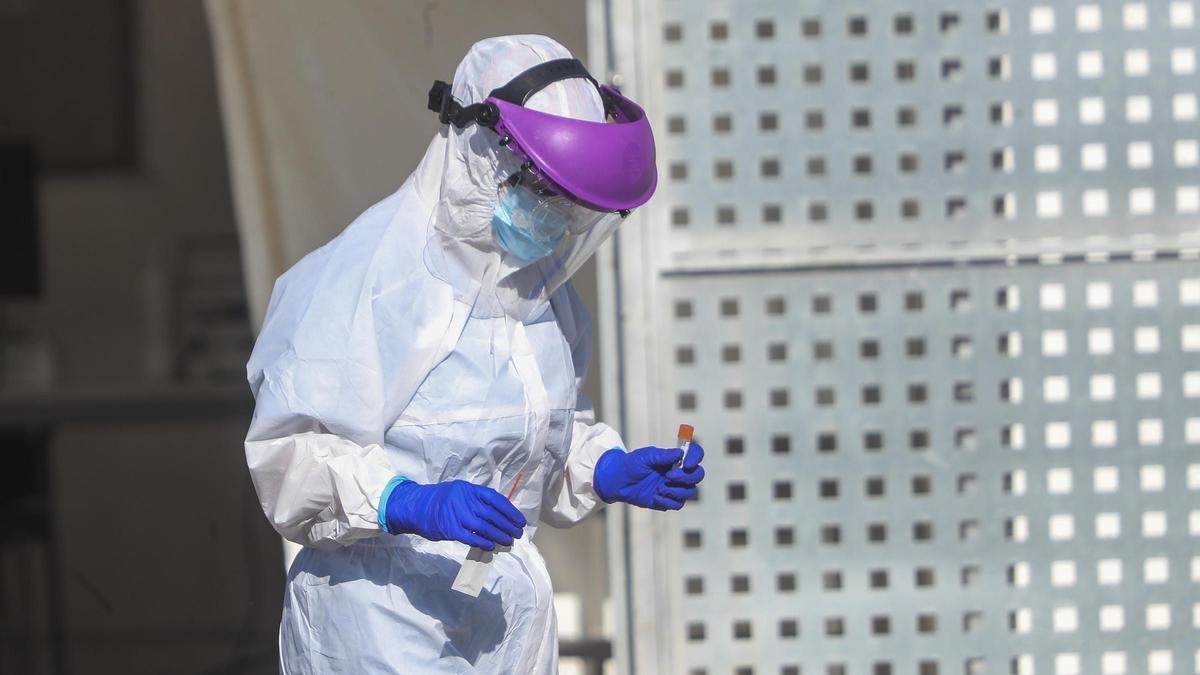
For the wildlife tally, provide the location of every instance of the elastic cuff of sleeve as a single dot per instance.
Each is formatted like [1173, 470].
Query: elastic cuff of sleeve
[383, 501]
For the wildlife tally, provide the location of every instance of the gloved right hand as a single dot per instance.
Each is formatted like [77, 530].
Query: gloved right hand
[472, 514]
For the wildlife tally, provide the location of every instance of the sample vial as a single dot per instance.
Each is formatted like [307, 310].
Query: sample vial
[684, 439]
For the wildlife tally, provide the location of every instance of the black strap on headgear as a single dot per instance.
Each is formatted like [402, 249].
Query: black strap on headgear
[516, 91]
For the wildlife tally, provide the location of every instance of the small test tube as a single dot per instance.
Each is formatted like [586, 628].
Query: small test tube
[684, 439]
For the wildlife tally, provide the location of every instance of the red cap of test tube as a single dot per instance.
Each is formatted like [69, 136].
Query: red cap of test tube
[685, 433]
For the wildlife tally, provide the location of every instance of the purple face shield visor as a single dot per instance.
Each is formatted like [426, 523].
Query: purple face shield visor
[606, 166]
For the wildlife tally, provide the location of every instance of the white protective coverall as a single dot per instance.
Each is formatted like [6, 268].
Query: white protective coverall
[386, 353]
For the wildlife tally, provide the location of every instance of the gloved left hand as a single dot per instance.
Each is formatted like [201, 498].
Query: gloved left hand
[649, 477]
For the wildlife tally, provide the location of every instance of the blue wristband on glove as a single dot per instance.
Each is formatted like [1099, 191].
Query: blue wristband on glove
[383, 501]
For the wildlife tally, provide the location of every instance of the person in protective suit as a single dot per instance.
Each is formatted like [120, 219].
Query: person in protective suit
[426, 364]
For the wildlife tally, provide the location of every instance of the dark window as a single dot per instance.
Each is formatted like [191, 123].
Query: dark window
[915, 347]
[781, 444]
[718, 30]
[922, 531]
[772, 213]
[764, 29]
[880, 625]
[822, 350]
[672, 32]
[810, 27]
[828, 488]
[874, 487]
[818, 212]
[864, 210]
[685, 355]
[923, 577]
[918, 439]
[735, 445]
[733, 399]
[868, 349]
[922, 485]
[781, 490]
[856, 25]
[731, 353]
[903, 24]
[873, 441]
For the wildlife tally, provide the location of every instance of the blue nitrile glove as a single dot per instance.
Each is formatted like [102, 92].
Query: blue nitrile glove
[473, 514]
[648, 477]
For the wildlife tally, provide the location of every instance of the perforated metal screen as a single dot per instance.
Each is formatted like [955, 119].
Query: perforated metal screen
[942, 470]
[924, 276]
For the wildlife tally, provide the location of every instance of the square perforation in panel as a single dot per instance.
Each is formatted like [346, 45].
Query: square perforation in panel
[975, 464]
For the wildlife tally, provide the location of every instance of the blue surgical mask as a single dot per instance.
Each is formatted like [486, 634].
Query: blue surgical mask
[511, 223]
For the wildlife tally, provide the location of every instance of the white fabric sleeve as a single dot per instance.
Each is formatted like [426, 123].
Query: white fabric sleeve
[336, 362]
[316, 459]
[319, 489]
[571, 497]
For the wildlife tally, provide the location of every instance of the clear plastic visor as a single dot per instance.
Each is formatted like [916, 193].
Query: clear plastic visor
[568, 231]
